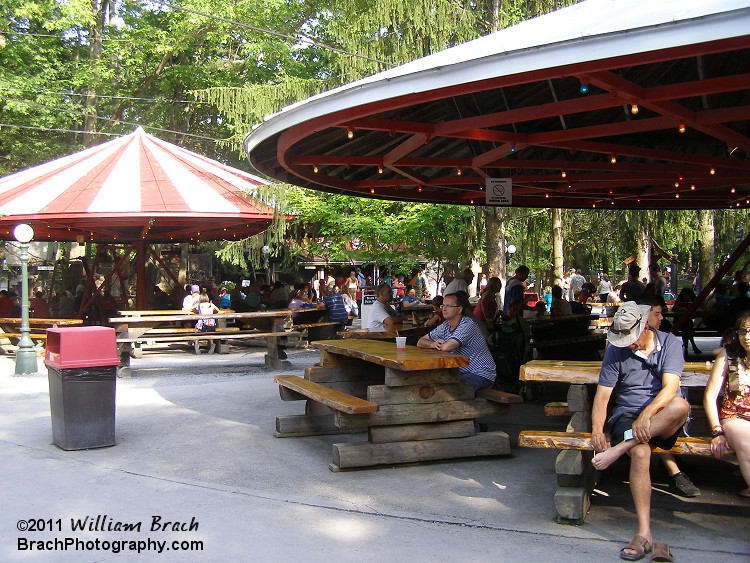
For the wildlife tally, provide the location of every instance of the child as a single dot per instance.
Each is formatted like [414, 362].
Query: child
[205, 307]
[437, 312]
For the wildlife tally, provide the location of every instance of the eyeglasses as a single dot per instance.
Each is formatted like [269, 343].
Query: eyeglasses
[743, 331]
[450, 306]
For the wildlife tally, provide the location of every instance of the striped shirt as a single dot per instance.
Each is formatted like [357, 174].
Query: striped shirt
[471, 344]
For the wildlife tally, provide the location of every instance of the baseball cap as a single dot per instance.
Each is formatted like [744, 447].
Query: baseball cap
[628, 324]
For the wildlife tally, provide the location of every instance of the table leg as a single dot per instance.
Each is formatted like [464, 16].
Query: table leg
[276, 356]
[576, 476]
[421, 417]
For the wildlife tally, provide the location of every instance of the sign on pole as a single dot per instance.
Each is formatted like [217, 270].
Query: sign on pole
[499, 191]
[367, 301]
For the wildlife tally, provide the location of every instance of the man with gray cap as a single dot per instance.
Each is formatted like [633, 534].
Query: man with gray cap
[642, 367]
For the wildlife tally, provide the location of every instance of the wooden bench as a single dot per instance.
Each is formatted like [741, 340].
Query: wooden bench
[560, 408]
[330, 397]
[497, 396]
[197, 335]
[691, 445]
[323, 330]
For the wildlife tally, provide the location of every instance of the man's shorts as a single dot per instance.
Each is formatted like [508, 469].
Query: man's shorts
[617, 427]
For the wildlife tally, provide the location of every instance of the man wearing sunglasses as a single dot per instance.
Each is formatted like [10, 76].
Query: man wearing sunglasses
[462, 335]
[642, 367]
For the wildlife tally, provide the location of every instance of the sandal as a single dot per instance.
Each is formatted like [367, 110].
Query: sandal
[639, 545]
[662, 553]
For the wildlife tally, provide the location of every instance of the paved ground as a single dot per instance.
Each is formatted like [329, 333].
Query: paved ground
[195, 444]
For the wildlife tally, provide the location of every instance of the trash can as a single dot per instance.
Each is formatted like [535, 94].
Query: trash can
[82, 369]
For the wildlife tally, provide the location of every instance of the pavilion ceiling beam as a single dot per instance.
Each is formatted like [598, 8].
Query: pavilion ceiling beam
[632, 93]
[653, 154]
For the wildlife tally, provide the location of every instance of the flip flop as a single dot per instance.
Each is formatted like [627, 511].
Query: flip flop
[639, 545]
[662, 553]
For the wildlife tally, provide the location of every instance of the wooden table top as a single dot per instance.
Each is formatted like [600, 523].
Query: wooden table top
[388, 334]
[385, 354]
[695, 374]
[41, 322]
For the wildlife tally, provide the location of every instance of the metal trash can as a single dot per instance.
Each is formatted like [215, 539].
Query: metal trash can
[82, 370]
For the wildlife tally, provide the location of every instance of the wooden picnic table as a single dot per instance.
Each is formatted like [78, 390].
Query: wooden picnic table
[411, 403]
[133, 331]
[412, 334]
[419, 313]
[575, 474]
[11, 327]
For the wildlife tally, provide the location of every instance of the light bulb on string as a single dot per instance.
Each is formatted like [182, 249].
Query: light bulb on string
[634, 109]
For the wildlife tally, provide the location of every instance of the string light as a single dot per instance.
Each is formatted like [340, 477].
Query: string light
[513, 147]
[458, 171]
[380, 169]
[613, 159]
[315, 168]
[634, 109]
[712, 171]
[564, 174]
[676, 184]
[584, 85]
[419, 189]
[350, 133]
[472, 202]
[692, 187]
[546, 196]
[677, 196]
[593, 205]
[682, 128]
[372, 190]
[733, 189]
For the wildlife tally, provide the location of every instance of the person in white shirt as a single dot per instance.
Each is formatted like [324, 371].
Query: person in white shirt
[382, 316]
[460, 284]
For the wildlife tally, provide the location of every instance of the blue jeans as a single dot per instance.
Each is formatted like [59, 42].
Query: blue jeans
[477, 381]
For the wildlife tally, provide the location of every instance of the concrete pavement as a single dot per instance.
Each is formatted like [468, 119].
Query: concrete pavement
[195, 445]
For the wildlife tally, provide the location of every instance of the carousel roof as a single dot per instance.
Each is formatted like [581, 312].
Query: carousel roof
[136, 187]
[625, 103]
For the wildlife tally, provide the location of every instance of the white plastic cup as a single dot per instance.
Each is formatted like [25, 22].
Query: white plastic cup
[401, 343]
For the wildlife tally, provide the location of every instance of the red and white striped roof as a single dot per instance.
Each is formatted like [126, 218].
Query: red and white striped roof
[136, 187]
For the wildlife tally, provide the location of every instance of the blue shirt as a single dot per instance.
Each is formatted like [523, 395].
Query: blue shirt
[336, 308]
[471, 344]
[636, 379]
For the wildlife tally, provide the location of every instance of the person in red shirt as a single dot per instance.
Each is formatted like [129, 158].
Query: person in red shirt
[40, 307]
[6, 304]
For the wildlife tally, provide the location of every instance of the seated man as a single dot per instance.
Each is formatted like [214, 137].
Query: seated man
[383, 317]
[560, 307]
[461, 335]
[643, 367]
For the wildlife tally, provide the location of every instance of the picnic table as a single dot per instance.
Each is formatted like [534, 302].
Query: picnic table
[419, 313]
[11, 327]
[566, 337]
[576, 476]
[411, 403]
[133, 331]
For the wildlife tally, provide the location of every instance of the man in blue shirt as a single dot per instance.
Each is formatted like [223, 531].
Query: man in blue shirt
[461, 335]
[642, 367]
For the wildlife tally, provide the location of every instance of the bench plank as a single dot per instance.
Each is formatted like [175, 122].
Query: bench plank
[189, 337]
[556, 409]
[497, 396]
[582, 441]
[329, 397]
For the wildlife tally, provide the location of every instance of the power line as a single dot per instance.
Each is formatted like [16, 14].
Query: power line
[42, 91]
[62, 130]
[300, 37]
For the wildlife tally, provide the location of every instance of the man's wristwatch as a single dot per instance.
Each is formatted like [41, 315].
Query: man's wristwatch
[716, 432]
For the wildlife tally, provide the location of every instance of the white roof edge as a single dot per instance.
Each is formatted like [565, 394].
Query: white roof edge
[591, 30]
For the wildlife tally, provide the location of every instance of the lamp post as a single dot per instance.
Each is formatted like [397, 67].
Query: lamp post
[26, 355]
[510, 251]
